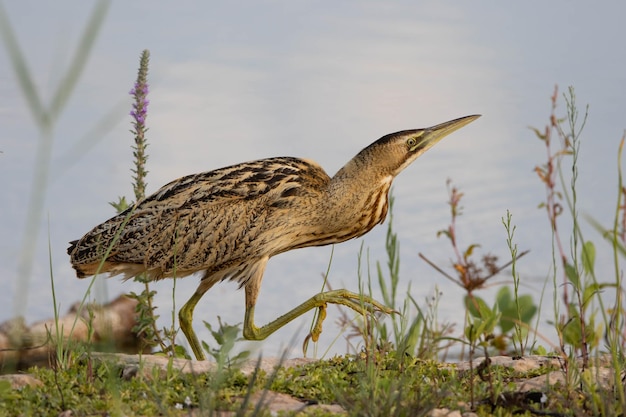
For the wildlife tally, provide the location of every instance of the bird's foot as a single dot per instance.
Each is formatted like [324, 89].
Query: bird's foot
[316, 330]
[360, 303]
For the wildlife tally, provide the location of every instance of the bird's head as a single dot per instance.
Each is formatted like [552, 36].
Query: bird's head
[396, 151]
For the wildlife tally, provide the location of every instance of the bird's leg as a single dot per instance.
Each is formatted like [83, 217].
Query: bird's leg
[185, 318]
[362, 304]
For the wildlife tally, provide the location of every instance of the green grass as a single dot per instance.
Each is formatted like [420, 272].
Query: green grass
[97, 389]
[381, 385]
[395, 368]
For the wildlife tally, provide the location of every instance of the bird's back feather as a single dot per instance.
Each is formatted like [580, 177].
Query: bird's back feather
[212, 221]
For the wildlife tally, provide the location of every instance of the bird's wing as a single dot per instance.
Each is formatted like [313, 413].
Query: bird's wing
[238, 183]
[198, 222]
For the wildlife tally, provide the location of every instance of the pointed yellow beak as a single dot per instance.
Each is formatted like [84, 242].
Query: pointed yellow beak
[434, 134]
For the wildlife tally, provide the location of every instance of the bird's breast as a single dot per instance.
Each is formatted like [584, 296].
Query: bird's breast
[336, 217]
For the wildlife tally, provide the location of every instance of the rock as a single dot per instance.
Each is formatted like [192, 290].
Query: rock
[523, 364]
[23, 346]
[19, 381]
[276, 402]
[444, 412]
[133, 363]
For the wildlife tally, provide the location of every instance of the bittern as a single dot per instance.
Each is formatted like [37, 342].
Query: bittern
[229, 222]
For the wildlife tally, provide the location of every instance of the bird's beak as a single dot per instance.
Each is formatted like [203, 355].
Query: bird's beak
[435, 133]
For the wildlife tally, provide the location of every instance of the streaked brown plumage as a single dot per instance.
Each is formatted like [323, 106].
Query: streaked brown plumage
[227, 223]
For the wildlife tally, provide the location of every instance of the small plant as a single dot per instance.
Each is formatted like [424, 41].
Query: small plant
[146, 328]
[576, 327]
[225, 337]
[511, 314]
[421, 335]
[519, 310]
[479, 329]
[416, 334]
[473, 276]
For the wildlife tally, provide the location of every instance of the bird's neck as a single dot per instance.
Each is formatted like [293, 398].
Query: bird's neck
[361, 177]
[358, 198]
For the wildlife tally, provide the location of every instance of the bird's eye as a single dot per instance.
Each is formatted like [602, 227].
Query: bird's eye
[411, 142]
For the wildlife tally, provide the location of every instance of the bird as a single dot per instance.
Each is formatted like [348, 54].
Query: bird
[227, 223]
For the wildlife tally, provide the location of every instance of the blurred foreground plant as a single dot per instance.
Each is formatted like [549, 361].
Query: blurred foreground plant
[45, 116]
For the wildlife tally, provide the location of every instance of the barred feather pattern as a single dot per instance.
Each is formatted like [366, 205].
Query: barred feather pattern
[228, 222]
[223, 221]
[212, 221]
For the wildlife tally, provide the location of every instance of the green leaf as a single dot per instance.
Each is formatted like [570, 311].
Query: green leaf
[590, 291]
[491, 322]
[504, 298]
[527, 308]
[479, 327]
[180, 352]
[5, 388]
[485, 318]
[411, 339]
[572, 333]
[507, 308]
[470, 331]
[470, 250]
[477, 307]
[444, 232]
[607, 234]
[120, 205]
[588, 256]
[572, 275]
[541, 135]
[510, 315]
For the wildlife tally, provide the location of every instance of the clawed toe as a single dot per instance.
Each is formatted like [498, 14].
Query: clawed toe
[362, 304]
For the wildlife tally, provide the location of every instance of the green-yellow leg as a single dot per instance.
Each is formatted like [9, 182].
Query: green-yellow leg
[360, 303]
[185, 318]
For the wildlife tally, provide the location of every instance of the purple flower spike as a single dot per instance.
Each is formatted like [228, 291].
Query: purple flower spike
[140, 106]
[139, 113]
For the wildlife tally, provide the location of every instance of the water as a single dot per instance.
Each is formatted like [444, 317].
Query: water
[230, 84]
